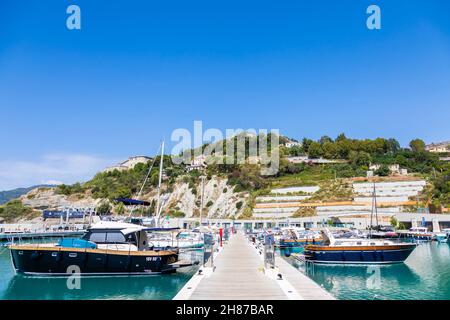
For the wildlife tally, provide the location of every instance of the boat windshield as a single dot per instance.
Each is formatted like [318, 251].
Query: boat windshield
[110, 236]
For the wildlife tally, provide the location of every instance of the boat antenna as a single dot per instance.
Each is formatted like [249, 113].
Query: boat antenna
[159, 185]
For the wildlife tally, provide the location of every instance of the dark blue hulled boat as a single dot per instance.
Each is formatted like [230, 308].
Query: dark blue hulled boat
[298, 237]
[357, 251]
[108, 248]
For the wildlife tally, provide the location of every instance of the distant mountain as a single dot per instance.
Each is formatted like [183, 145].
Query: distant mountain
[8, 195]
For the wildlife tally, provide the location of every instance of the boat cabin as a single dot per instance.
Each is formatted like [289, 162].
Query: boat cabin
[117, 235]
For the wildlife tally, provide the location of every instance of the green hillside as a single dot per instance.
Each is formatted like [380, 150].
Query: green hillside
[357, 156]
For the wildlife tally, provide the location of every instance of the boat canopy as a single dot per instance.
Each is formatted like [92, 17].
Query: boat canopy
[162, 229]
[113, 225]
[132, 202]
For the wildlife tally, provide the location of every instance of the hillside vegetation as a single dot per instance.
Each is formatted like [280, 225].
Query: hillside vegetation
[246, 178]
[8, 195]
[15, 209]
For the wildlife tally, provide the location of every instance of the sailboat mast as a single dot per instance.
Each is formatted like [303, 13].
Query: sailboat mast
[375, 202]
[371, 215]
[374, 209]
[159, 184]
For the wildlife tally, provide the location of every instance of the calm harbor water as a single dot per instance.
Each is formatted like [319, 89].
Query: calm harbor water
[158, 287]
[425, 275]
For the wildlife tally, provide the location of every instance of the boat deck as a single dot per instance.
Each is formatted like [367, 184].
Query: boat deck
[239, 274]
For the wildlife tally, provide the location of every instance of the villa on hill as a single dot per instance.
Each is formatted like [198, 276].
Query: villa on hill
[128, 164]
[440, 147]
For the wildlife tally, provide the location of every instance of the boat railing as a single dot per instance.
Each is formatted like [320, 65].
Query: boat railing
[309, 267]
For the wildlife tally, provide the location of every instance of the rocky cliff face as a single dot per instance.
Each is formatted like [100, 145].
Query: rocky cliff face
[219, 199]
[48, 199]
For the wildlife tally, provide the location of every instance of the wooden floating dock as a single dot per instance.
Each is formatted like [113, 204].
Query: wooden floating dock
[238, 274]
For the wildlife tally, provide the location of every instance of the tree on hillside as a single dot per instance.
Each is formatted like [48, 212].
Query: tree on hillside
[344, 146]
[341, 137]
[383, 171]
[306, 143]
[360, 158]
[393, 146]
[325, 139]
[295, 151]
[330, 150]
[417, 145]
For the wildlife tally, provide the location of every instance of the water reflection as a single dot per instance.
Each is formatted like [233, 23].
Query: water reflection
[139, 287]
[155, 287]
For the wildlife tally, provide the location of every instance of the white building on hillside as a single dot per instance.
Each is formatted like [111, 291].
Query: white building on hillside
[440, 147]
[394, 168]
[199, 163]
[128, 164]
[133, 161]
[305, 159]
[292, 144]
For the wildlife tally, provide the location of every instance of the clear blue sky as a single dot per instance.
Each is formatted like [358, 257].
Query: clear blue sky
[74, 101]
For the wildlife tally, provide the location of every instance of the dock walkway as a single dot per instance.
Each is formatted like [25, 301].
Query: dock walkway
[239, 275]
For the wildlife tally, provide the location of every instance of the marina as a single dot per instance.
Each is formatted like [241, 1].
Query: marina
[238, 271]
[150, 252]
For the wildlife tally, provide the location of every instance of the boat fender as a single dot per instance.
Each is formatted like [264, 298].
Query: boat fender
[287, 254]
[58, 256]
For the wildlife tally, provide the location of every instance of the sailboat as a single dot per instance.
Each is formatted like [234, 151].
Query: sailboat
[358, 250]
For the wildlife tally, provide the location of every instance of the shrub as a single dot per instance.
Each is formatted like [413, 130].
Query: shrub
[14, 209]
[176, 214]
[383, 171]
